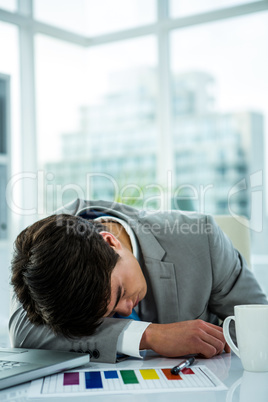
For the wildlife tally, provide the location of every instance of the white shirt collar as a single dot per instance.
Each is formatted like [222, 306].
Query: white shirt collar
[127, 228]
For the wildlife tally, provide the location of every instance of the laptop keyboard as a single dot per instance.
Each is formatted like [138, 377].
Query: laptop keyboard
[6, 364]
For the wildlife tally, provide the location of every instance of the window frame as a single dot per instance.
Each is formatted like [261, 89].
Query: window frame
[23, 18]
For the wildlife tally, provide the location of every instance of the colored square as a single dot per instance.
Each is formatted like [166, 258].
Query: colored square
[187, 371]
[71, 379]
[93, 379]
[129, 377]
[109, 374]
[149, 374]
[171, 376]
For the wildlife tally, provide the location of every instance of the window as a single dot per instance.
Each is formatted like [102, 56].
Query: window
[4, 160]
[125, 98]
[90, 17]
[214, 84]
[9, 5]
[9, 125]
[183, 8]
[103, 113]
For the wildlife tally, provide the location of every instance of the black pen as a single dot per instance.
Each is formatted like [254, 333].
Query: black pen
[182, 365]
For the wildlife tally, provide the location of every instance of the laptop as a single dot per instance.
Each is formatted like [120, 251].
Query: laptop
[18, 365]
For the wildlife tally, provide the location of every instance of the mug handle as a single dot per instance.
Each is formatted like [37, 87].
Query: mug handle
[227, 336]
[232, 390]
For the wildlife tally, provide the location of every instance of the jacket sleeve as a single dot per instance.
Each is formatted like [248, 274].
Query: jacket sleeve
[101, 346]
[232, 281]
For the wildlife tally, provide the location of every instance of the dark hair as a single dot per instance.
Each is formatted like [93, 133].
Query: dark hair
[61, 273]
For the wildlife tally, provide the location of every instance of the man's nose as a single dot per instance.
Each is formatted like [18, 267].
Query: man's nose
[124, 307]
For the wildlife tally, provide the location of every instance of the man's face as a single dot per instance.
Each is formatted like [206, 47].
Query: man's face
[128, 285]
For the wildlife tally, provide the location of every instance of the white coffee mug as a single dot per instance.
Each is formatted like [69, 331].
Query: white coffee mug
[251, 326]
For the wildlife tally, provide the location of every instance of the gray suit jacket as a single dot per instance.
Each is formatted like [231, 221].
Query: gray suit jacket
[192, 272]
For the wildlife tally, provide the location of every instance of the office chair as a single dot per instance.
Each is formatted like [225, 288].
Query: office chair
[237, 229]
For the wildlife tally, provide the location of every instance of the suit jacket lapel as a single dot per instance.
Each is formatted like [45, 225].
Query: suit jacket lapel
[162, 291]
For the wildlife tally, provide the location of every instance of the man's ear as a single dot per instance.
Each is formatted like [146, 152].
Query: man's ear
[111, 240]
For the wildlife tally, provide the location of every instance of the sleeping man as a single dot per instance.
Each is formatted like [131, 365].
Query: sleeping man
[108, 279]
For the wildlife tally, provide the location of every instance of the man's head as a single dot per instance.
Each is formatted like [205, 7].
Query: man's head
[61, 273]
[128, 284]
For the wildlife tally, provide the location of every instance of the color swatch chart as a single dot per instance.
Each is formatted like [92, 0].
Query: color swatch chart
[126, 380]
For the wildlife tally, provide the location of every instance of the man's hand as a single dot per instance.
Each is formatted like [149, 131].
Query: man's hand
[182, 338]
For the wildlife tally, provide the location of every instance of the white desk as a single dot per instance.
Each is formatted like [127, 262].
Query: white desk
[242, 386]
